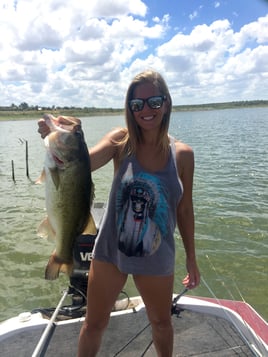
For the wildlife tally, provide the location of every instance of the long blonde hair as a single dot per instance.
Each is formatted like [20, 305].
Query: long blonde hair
[133, 135]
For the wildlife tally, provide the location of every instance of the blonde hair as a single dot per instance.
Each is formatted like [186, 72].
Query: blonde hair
[133, 135]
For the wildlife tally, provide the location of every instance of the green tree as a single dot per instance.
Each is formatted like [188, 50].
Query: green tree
[23, 106]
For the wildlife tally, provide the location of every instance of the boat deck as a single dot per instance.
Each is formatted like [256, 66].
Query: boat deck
[129, 335]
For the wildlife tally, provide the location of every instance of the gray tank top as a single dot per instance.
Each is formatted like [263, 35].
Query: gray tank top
[137, 232]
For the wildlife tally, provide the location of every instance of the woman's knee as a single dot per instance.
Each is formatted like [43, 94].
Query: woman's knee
[162, 324]
[92, 326]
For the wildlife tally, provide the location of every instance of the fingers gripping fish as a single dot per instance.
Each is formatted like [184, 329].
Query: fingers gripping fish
[69, 191]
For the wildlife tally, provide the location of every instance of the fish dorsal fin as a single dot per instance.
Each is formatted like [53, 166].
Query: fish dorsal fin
[41, 178]
[91, 226]
[45, 230]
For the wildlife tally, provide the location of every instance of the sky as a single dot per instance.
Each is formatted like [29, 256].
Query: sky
[85, 53]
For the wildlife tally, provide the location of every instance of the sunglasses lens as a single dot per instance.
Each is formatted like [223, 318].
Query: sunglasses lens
[136, 105]
[155, 102]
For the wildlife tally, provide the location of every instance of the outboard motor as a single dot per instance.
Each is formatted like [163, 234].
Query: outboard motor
[82, 255]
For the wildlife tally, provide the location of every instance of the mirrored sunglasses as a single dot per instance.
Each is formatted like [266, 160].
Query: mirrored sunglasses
[156, 102]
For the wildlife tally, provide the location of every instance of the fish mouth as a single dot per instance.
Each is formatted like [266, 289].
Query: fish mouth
[58, 161]
[62, 124]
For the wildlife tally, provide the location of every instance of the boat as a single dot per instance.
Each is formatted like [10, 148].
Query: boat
[203, 326]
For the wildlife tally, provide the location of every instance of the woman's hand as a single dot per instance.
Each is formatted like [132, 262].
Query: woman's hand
[192, 279]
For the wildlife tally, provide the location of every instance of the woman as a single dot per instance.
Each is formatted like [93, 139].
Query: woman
[151, 192]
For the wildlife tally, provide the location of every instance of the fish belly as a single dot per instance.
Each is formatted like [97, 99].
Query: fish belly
[68, 208]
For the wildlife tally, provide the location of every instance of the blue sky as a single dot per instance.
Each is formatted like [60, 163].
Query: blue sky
[85, 53]
[188, 13]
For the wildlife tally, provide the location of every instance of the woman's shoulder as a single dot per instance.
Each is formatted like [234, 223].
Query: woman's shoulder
[184, 159]
[117, 134]
[118, 138]
[182, 147]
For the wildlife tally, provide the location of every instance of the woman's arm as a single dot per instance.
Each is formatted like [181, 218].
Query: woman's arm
[105, 150]
[100, 154]
[185, 213]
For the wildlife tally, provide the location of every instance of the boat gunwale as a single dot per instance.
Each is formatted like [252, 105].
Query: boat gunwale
[225, 309]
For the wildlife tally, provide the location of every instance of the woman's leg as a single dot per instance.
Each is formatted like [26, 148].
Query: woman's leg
[105, 282]
[156, 292]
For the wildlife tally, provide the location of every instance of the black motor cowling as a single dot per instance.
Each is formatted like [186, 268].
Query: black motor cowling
[82, 256]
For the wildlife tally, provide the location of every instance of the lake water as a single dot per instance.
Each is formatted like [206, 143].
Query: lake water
[230, 198]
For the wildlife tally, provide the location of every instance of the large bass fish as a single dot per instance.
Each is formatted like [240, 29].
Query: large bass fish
[69, 191]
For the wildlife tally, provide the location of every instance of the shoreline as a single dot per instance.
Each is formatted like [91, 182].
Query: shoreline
[16, 115]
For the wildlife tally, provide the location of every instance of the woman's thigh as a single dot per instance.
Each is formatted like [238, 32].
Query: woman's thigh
[156, 292]
[105, 282]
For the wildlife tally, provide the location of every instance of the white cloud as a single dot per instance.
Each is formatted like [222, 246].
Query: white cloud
[66, 52]
[193, 15]
[217, 61]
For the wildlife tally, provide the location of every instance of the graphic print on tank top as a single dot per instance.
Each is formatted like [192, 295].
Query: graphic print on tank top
[141, 207]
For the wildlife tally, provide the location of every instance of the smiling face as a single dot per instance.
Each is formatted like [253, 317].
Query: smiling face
[148, 118]
[151, 119]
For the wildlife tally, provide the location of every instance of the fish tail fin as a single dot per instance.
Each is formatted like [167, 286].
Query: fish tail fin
[67, 268]
[53, 268]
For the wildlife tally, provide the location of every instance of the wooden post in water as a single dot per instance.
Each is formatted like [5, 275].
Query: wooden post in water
[26, 159]
[13, 172]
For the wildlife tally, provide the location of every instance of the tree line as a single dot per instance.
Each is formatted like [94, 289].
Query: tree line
[25, 107]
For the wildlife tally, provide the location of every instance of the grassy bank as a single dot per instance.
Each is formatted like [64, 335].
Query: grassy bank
[35, 114]
[78, 112]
